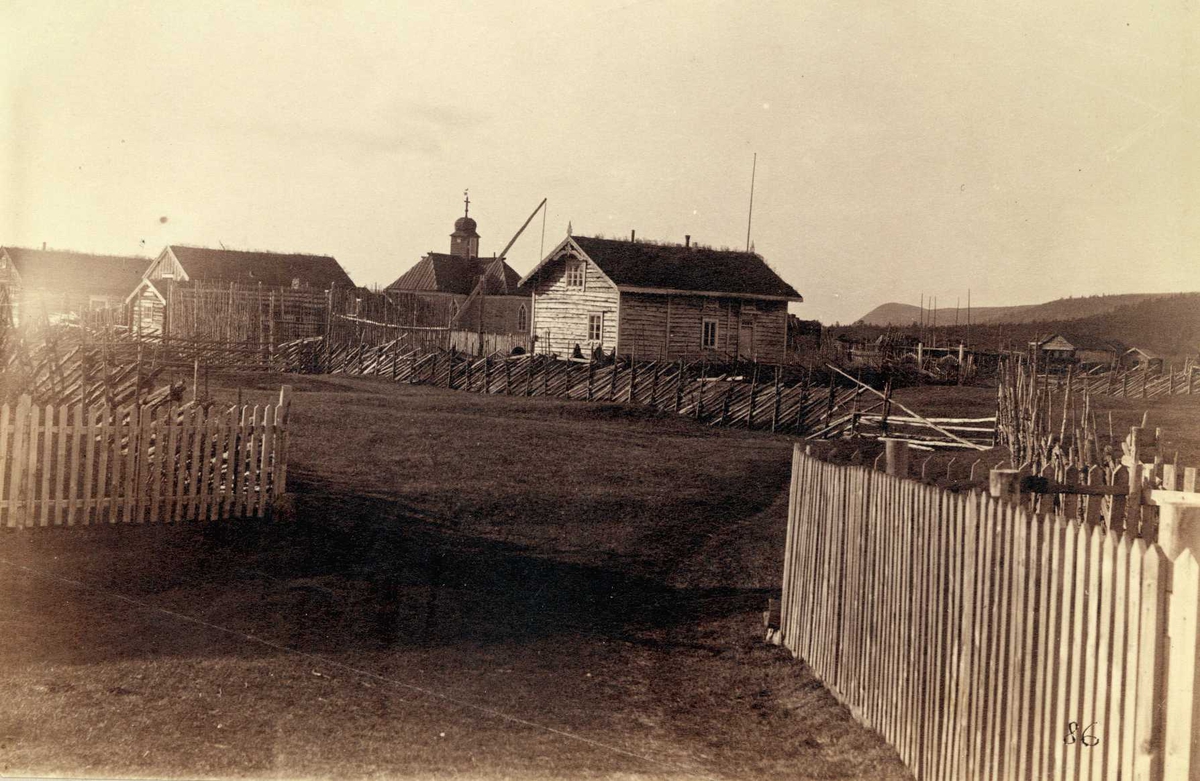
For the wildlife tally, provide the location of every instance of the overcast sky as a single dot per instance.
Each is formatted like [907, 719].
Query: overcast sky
[1027, 150]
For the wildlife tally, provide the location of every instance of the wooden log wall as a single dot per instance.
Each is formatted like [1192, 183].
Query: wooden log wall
[984, 641]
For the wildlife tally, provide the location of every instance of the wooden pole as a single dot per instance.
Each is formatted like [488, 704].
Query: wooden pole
[1005, 484]
[896, 457]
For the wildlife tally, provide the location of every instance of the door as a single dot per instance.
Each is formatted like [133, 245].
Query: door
[746, 337]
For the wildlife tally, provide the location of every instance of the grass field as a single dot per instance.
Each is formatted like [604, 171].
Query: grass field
[471, 587]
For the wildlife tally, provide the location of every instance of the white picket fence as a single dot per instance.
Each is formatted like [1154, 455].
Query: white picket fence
[70, 465]
[986, 642]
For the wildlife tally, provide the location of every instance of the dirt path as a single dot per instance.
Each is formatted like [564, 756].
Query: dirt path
[472, 587]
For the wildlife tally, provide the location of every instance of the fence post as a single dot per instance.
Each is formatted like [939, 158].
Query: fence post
[896, 457]
[1005, 484]
[1179, 527]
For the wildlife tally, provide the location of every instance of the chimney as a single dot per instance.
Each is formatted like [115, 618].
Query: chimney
[43, 245]
[687, 240]
[633, 235]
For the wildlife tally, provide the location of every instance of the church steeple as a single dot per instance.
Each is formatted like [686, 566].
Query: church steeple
[464, 242]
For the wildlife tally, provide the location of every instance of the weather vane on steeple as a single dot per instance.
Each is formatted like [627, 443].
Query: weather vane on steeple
[466, 203]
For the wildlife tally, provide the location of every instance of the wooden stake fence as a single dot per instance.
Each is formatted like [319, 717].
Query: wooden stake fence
[691, 390]
[75, 465]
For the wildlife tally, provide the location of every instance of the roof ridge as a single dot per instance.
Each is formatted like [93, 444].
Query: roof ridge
[52, 250]
[252, 251]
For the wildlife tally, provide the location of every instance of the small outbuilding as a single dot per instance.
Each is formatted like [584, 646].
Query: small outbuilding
[61, 285]
[1141, 358]
[1077, 349]
[226, 283]
[665, 301]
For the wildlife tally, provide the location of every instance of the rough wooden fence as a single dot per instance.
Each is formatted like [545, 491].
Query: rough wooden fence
[987, 642]
[76, 465]
[1140, 383]
[758, 398]
[63, 371]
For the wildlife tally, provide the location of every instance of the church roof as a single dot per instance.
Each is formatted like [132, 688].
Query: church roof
[438, 272]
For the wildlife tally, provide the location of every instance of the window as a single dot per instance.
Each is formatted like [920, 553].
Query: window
[595, 327]
[295, 283]
[709, 339]
[575, 273]
[522, 319]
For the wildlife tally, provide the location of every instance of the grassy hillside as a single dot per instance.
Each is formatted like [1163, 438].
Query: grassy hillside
[1167, 324]
[1059, 309]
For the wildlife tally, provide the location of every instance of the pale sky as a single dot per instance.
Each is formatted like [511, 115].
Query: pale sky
[1027, 150]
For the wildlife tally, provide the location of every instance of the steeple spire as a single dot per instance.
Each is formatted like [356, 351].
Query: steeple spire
[466, 203]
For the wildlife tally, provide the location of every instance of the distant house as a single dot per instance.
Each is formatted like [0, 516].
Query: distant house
[245, 274]
[459, 289]
[658, 301]
[1077, 349]
[62, 285]
[1140, 357]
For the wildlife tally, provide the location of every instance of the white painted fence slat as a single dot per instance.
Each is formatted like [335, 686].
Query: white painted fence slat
[986, 642]
[70, 465]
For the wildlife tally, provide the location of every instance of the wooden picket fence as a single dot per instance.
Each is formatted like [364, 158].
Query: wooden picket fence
[75, 465]
[984, 641]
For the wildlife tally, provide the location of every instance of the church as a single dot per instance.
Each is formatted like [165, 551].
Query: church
[462, 290]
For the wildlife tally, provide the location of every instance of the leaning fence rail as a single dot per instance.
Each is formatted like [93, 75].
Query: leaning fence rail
[984, 641]
[75, 465]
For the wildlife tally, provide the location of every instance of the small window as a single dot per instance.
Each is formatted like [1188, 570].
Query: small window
[295, 283]
[595, 327]
[575, 273]
[522, 318]
[709, 338]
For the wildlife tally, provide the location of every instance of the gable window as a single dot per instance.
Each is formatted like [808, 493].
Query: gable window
[708, 339]
[595, 327]
[575, 273]
[295, 283]
[522, 318]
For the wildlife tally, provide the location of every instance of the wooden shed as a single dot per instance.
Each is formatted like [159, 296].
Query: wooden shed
[652, 300]
[234, 282]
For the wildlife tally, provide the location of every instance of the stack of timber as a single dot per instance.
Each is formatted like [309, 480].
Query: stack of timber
[984, 640]
[68, 465]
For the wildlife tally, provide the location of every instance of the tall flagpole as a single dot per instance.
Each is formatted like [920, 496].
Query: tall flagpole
[750, 217]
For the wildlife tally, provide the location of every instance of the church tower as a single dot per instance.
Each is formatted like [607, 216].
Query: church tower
[464, 242]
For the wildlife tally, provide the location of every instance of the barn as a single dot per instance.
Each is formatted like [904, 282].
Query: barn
[61, 285]
[237, 279]
[654, 300]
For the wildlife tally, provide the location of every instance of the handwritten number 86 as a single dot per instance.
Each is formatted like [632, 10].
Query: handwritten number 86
[1085, 737]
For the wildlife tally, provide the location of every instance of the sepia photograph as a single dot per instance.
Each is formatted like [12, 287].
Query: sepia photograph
[600, 389]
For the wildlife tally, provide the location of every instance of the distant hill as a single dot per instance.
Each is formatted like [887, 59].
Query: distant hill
[1168, 324]
[1060, 309]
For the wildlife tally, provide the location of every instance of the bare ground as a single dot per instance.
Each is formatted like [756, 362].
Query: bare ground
[471, 587]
